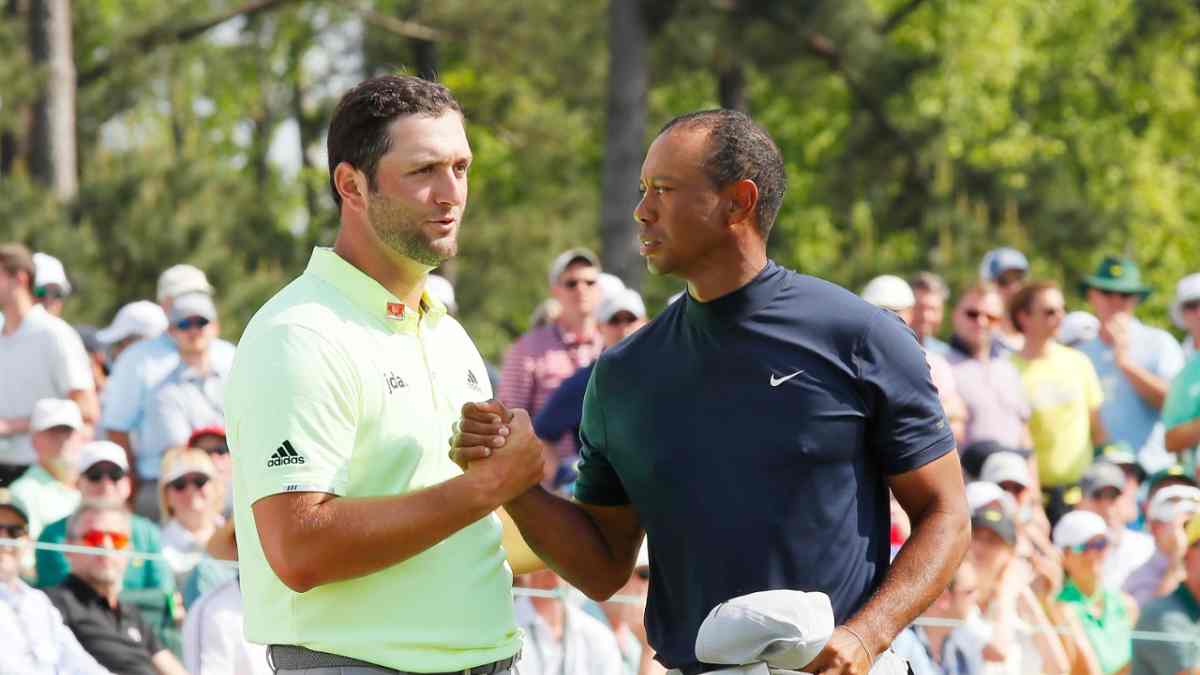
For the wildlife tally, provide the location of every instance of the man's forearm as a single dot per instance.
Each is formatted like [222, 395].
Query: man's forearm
[921, 571]
[584, 558]
[1152, 388]
[347, 537]
[1183, 436]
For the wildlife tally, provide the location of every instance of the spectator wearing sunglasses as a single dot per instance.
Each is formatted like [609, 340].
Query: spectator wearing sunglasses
[212, 440]
[137, 375]
[191, 496]
[1007, 269]
[191, 396]
[997, 407]
[1103, 485]
[35, 638]
[48, 487]
[89, 598]
[50, 285]
[1178, 614]
[1098, 619]
[539, 361]
[1135, 362]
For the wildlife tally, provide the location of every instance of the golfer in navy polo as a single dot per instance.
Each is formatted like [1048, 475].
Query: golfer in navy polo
[752, 431]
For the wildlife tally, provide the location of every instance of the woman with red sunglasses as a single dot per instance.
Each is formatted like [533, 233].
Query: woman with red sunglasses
[191, 496]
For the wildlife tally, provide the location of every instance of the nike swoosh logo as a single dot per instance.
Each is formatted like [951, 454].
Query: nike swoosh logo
[776, 381]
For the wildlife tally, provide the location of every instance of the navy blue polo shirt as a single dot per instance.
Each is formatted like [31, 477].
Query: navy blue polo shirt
[753, 435]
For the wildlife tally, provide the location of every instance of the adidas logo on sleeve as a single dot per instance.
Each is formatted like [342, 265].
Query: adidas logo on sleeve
[285, 454]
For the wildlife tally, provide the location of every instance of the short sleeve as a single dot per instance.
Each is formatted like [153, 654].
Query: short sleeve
[293, 406]
[122, 397]
[907, 427]
[598, 482]
[1183, 399]
[71, 368]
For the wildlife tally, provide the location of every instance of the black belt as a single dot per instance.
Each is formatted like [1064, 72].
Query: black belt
[291, 657]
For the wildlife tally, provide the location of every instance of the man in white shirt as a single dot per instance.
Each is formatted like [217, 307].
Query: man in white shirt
[48, 487]
[561, 639]
[41, 356]
[35, 638]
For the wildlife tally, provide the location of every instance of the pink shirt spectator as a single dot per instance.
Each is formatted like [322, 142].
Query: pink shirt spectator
[942, 374]
[537, 363]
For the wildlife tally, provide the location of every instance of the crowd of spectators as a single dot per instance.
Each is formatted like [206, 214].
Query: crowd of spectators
[1077, 435]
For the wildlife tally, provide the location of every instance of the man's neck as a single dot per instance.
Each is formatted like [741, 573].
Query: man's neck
[980, 352]
[63, 472]
[579, 324]
[1035, 348]
[11, 583]
[196, 523]
[197, 361]
[16, 311]
[726, 271]
[403, 277]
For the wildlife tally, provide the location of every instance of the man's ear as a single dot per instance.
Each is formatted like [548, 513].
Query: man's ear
[743, 201]
[351, 185]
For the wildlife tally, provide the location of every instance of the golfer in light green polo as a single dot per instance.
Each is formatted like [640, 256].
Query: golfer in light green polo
[361, 543]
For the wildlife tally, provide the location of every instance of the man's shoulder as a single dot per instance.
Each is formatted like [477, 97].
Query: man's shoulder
[306, 306]
[1158, 611]
[536, 340]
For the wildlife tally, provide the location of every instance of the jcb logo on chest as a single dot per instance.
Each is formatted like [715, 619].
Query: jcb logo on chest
[394, 382]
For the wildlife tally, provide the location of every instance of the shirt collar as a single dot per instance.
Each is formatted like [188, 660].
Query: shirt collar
[87, 595]
[738, 304]
[369, 295]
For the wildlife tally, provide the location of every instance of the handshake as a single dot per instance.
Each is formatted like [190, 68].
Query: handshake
[497, 448]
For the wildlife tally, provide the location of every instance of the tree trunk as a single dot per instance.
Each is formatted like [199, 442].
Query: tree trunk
[53, 152]
[628, 81]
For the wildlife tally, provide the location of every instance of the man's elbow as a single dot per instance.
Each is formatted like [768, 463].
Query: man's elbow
[601, 590]
[293, 570]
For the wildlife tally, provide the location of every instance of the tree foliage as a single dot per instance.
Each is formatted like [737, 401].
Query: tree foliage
[917, 134]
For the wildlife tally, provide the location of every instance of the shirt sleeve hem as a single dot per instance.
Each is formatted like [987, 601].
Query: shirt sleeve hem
[936, 450]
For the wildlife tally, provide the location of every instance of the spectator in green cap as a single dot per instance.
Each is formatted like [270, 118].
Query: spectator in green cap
[1135, 362]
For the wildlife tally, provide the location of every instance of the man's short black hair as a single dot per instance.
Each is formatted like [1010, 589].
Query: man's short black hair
[358, 134]
[739, 149]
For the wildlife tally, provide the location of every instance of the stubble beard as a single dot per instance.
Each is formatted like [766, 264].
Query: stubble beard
[400, 229]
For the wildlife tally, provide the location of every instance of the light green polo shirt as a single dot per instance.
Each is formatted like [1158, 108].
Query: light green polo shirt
[336, 389]
[46, 498]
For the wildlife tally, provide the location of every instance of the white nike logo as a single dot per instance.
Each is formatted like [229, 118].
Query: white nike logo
[776, 381]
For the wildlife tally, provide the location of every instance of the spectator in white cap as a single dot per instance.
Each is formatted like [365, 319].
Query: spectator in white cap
[1078, 327]
[620, 314]
[894, 294]
[1010, 592]
[143, 367]
[1167, 515]
[1102, 485]
[1007, 268]
[191, 498]
[1177, 614]
[1097, 618]
[136, 321]
[48, 488]
[1012, 473]
[50, 285]
[542, 358]
[41, 356]
[36, 640]
[1185, 312]
[191, 396]
[104, 478]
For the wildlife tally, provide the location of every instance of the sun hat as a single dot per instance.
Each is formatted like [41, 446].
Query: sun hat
[140, 317]
[95, 452]
[1077, 527]
[1000, 260]
[180, 279]
[1118, 275]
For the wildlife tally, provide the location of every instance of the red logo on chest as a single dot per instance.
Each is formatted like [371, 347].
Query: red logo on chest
[395, 310]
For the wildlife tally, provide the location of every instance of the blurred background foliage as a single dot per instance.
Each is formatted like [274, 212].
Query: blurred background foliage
[918, 134]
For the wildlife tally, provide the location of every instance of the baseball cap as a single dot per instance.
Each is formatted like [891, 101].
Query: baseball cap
[1172, 500]
[141, 318]
[1006, 466]
[193, 304]
[55, 412]
[441, 288]
[784, 628]
[1000, 260]
[1077, 527]
[1186, 290]
[49, 270]
[610, 284]
[212, 430]
[1078, 327]
[975, 454]
[180, 279]
[997, 520]
[95, 452]
[1192, 531]
[1102, 475]
[11, 501]
[1175, 472]
[981, 493]
[564, 260]
[889, 292]
[628, 300]
[184, 467]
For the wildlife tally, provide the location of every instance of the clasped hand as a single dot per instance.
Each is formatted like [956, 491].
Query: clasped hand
[498, 447]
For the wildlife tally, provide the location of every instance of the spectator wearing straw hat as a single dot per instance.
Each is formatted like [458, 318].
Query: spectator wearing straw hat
[35, 638]
[1135, 362]
[1098, 618]
[1185, 312]
[1177, 615]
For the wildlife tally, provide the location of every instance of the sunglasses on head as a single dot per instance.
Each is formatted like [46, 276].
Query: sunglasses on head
[192, 322]
[99, 473]
[974, 314]
[14, 531]
[180, 484]
[573, 283]
[96, 539]
[1093, 545]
